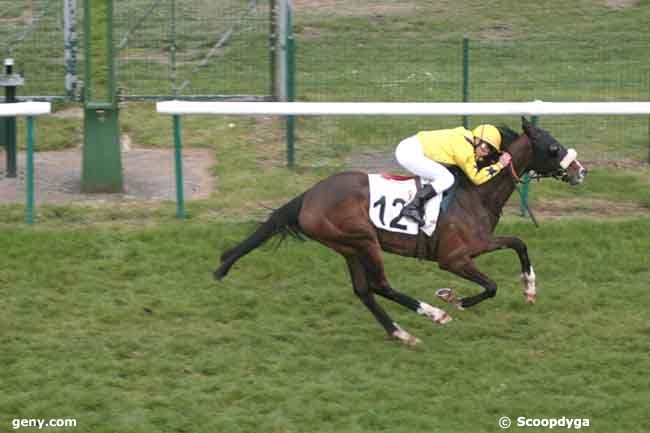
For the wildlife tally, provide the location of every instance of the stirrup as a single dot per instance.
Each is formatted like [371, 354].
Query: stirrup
[414, 214]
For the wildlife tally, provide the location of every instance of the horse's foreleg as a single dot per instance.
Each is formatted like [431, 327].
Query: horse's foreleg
[362, 290]
[527, 271]
[468, 270]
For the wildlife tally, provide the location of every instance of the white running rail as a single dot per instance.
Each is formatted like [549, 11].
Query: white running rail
[535, 108]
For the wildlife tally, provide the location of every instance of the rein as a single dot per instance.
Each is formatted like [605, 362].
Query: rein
[517, 180]
[513, 172]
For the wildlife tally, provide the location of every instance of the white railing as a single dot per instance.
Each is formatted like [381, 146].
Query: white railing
[28, 109]
[535, 108]
[25, 109]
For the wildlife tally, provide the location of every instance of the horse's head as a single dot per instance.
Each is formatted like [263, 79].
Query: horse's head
[550, 158]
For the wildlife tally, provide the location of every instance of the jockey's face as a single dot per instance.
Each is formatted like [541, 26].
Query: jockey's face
[483, 149]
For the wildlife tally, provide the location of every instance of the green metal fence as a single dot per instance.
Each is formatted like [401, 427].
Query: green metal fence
[195, 49]
[428, 67]
[30, 32]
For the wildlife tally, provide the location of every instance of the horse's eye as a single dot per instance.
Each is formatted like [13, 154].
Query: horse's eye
[553, 150]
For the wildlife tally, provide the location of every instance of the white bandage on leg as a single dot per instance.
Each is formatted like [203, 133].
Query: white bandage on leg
[409, 155]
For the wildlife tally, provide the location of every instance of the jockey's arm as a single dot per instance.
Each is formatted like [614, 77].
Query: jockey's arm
[468, 165]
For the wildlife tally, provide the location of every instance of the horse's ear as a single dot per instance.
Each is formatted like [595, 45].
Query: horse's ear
[528, 127]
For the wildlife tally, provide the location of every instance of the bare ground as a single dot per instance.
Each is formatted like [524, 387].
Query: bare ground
[148, 176]
[621, 4]
[358, 8]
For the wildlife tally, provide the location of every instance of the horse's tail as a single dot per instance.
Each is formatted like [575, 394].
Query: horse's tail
[283, 221]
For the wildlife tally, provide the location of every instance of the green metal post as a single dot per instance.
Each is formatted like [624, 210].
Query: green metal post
[525, 184]
[291, 91]
[29, 209]
[172, 48]
[465, 75]
[273, 42]
[178, 164]
[523, 195]
[102, 163]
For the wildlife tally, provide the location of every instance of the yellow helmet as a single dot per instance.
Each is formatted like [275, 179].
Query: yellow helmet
[490, 134]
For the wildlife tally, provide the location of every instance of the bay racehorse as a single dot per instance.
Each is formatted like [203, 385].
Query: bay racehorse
[335, 212]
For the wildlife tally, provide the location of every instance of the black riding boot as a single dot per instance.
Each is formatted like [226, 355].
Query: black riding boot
[415, 209]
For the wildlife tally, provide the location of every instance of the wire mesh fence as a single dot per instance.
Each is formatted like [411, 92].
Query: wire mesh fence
[192, 48]
[376, 66]
[31, 32]
[162, 47]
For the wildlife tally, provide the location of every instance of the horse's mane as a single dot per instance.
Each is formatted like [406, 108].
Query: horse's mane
[508, 135]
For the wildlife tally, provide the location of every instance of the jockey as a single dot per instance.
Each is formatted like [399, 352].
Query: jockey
[426, 153]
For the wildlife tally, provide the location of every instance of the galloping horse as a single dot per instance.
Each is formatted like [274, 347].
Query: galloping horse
[335, 212]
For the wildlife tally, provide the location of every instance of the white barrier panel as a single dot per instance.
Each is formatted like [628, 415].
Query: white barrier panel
[536, 108]
[24, 109]
[28, 109]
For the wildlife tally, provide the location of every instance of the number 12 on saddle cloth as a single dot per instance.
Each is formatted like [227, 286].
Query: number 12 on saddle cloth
[389, 194]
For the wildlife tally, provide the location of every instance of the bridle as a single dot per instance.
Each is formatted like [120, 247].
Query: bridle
[559, 174]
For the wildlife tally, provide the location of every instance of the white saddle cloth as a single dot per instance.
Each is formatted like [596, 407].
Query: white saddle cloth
[387, 198]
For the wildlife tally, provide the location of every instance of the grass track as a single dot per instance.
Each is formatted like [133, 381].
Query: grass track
[110, 315]
[282, 345]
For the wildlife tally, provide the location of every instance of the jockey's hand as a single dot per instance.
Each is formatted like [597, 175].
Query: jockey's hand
[505, 158]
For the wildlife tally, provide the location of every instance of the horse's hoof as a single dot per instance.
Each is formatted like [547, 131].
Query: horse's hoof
[449, 296]
[405, 337]
[530, 297]
[446, 295]
[446, 318]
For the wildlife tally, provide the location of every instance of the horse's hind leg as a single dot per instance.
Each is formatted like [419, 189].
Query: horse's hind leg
[362, 290]
[377, 280]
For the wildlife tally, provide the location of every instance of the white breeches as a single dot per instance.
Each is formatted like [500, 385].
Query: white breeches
[409, 154]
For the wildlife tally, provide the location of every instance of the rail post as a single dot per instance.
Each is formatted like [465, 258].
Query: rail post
[29, 210]
[178, 164]
[465, 76]
[291, 94]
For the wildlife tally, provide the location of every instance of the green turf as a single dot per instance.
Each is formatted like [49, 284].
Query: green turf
[110, 314]
[125, 330]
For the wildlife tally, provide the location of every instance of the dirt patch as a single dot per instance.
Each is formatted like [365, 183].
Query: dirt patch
[148, 176]
[584, 208]
[374, 162]
[69, 113]
[621, 4]
[500, 32]
[355, 9]
[619, 163]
